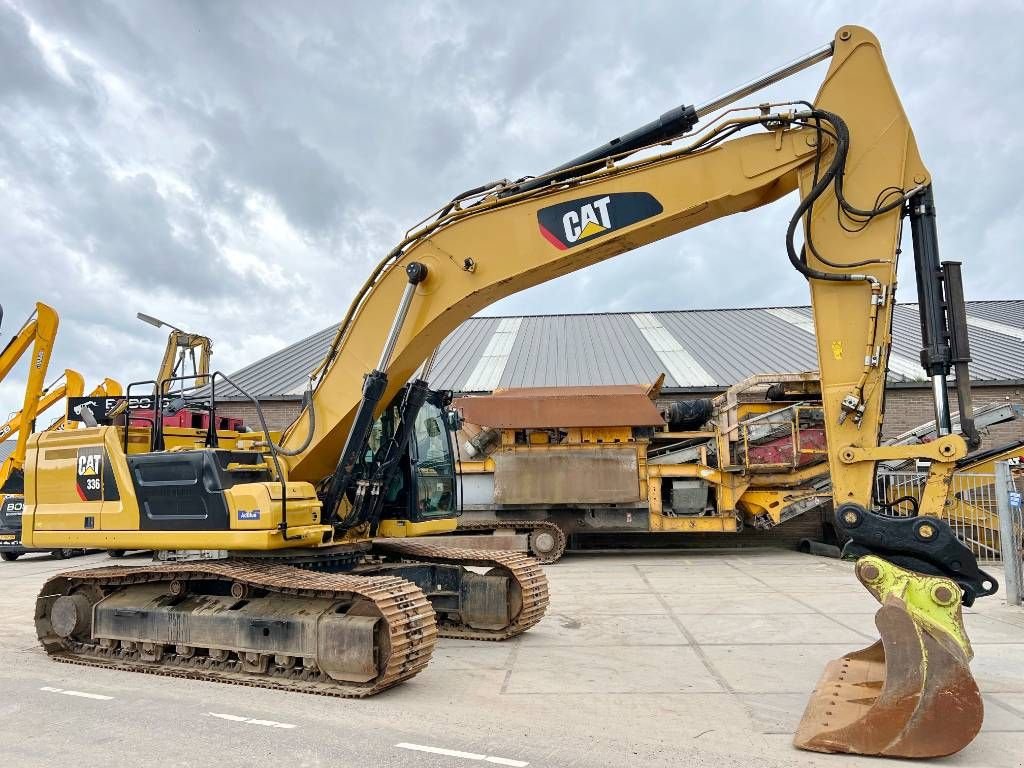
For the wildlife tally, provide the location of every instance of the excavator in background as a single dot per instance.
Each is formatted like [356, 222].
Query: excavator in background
[68, 384]
[39, 332]
[282, 578]
[12, 480]
[180, 350]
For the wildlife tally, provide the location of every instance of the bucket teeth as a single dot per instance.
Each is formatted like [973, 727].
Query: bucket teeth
[911, 694]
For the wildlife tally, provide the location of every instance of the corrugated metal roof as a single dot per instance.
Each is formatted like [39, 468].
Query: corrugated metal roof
[695, 348]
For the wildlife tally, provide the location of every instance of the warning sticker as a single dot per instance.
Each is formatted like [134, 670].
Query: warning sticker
[89, 474]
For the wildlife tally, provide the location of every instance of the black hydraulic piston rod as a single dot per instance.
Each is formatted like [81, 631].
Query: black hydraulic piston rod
[374, 384]
[960, 349]
[936, 353]
[670, 125]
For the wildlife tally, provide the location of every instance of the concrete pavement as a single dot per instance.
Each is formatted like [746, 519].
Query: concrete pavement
[681, 659]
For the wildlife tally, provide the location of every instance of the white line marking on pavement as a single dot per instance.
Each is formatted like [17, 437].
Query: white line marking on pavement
[79, 694]
[251, 720]
[464, 755]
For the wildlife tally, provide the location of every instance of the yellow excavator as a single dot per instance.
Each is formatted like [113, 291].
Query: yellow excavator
[12, 478]
[286, 585]
[69, 384]
[39, 332]
[181, 349]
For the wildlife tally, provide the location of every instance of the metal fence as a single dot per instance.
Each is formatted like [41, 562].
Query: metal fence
[984, 511]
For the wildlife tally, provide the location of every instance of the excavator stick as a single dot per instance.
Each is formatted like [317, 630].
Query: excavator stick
[911, 694]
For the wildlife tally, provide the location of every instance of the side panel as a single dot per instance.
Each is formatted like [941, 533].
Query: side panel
[70, 484]
[606, 475]
[178, 491]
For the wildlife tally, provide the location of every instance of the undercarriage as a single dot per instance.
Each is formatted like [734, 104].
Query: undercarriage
[270, 624]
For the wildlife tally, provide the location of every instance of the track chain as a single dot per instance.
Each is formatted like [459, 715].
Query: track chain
[520, 525]
[412, 629]
[525, 570]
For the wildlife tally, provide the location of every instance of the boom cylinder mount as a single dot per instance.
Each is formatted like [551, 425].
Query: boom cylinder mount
[374, 385]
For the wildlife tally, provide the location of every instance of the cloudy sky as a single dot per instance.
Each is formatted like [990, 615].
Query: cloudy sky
[236, 167]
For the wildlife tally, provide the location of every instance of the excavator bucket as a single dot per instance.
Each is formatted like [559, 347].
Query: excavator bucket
[911, 694]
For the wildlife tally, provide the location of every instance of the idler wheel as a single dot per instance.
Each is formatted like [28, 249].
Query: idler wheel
[71, 616]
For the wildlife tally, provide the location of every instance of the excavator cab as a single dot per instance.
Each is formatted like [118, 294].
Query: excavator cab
[432, 464]
[419, 488]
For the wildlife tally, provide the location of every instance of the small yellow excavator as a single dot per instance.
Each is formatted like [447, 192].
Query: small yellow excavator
[282, 579]
[12, 479]
[39, 332]
[69, 384]
[181, 349]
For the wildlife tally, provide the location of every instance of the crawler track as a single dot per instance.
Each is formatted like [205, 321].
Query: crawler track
[411, 630]
[531, 590]
[533, 526]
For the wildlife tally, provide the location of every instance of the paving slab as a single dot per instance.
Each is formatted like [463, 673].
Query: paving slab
[794, 668]
[999, 668]
[740, 603]
[656, 669]
[769, 629]
[575, 629]
[590, 602]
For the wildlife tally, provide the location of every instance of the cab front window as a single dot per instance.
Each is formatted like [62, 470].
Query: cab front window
[434, 465]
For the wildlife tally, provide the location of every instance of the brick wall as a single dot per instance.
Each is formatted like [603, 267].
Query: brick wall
[278, 413]
[905, 408]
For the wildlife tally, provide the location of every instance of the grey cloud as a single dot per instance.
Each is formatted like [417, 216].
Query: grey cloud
[357, 119]
[26, 80]
[310, 190]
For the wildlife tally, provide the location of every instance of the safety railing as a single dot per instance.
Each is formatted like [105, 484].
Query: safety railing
[786, 438]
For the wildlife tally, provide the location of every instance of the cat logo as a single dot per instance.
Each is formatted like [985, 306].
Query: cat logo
[577, 221]
[89, 465]
[586, 222]
[89, 474]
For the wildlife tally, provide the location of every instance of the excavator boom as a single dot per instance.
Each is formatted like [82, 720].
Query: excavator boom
[70, 384]
[39, 332]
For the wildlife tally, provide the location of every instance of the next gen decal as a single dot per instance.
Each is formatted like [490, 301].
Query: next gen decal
[577, 221]
[89, 473]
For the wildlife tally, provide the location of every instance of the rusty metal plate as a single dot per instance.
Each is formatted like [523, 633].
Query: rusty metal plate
[548, 407]
[608, 474]
[346, 649]
[485, 601]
